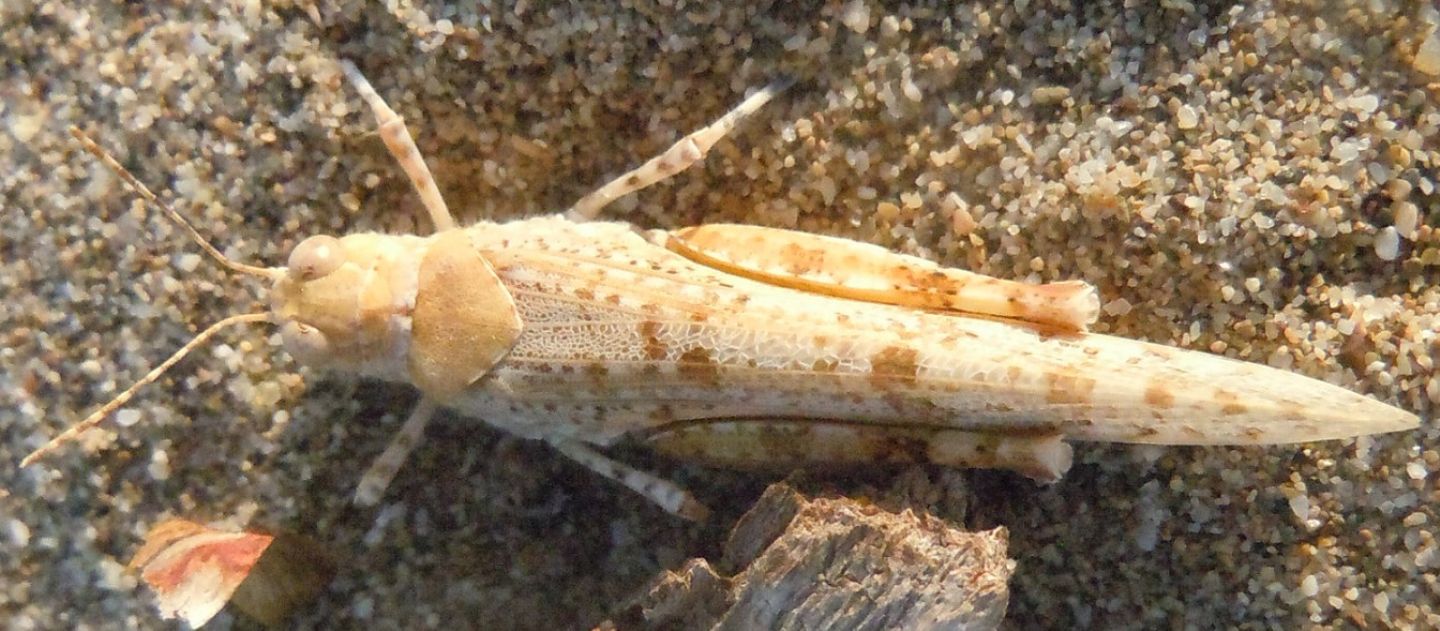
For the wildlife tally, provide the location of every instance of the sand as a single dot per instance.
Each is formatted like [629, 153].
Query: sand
[1255, 180]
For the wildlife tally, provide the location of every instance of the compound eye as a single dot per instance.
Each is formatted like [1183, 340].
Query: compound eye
[316, 257]
[305, 342]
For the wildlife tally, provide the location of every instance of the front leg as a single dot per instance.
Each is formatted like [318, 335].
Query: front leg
[376, 479]
[402, 146]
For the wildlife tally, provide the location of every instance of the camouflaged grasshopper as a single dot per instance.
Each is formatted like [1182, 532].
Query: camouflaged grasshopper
[743, 345]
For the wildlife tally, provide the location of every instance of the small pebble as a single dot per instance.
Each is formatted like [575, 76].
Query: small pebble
[1407, 219]
[1387, 244]
[1416, 470]
[159, 468]
[187, 262]
[1366, 104]
[1300, 505]
[856, 16]
[1186, 117]
[1427, 58]
[127, 417]
[1049, 94]
[1117, 307]
[17, 532]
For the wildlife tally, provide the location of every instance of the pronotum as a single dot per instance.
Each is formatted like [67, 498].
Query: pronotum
[741, 345]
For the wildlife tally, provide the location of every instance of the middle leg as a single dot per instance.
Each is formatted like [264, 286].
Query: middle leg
[680, 156]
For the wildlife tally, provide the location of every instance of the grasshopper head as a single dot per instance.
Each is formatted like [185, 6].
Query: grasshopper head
[428, 311]
[345, 303]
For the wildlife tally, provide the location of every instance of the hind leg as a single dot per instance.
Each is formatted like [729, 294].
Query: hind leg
[868, 272]
[757, 444]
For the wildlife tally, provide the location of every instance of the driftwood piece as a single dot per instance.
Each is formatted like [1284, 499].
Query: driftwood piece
[794, 562]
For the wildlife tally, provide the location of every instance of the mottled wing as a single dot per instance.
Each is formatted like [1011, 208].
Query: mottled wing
[650, 337]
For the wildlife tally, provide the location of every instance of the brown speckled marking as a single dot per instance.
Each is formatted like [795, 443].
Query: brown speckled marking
[1160, 352]
[899, 448]
[1158, 394]
[698, 364]
[783, 442]
[655, 350]
[1039, 429]
[1013, 374]
[599, 373]
[800, 261]
[824, 365]
[895, 362]
[915, 407]
[1068, 388]
[952, 338]
[1229, 402]
[1291, 409]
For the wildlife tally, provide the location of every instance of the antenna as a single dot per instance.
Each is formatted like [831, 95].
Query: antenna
[272, 273]
[96, 417]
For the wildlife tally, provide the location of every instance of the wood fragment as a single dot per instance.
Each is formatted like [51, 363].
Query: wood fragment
[196, 570]
[795, 562]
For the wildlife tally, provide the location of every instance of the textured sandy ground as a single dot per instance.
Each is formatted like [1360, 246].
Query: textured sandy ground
[1256, 180]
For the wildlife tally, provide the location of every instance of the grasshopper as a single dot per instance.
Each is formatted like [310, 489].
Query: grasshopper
[741, 346]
